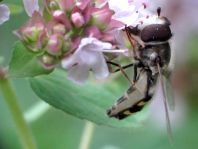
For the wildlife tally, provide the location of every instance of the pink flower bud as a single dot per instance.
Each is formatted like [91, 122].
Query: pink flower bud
[77, 19]
[60, 17]
[67, 4]
[47, 61]
[82, 4]
[55, 44]
[31, 33]
[102, 16]
[93, 31]
[59, 28]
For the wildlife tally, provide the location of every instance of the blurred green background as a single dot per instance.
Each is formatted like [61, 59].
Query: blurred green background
[57, 130]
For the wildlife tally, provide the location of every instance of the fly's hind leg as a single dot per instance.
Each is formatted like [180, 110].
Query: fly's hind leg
[137, 64]
[148, 85]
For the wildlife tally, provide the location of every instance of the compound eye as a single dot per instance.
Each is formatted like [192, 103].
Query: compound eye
[156, 32]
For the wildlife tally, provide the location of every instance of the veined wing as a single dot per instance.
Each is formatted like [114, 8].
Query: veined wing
[161, 81]
[169, 92]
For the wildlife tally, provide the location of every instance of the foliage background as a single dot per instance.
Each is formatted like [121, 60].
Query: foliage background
[58, 130]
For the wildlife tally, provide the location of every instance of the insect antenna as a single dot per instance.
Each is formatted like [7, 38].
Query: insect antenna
[159, 11]
[168, 124]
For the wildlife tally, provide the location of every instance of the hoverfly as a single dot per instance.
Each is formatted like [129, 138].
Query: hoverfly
[152, 53]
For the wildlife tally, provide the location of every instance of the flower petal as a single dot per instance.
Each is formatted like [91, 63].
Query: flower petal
[78, 74]
[69, 61]
[31, 6]
[4, 13]
[94, 44]
[127, 17]
[100, 68]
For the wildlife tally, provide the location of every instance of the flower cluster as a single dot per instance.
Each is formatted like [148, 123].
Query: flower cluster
[77, 33]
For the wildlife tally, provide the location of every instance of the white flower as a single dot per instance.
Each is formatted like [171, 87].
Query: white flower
[87, 57]
[127, 11]
[4, 13]
[132, 13]
[31, 6]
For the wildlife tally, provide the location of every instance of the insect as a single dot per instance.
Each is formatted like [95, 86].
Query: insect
[152, 53]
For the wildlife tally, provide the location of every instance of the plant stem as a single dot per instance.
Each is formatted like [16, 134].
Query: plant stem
[87, 135]
[12, 103]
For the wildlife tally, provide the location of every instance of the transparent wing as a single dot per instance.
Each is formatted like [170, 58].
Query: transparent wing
[169, 92]
[161, 81]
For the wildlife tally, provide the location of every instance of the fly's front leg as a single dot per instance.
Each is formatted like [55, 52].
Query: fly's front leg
[121, 68]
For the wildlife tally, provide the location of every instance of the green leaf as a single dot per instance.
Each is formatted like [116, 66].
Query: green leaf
[88, 101]
[24, 63]
[15, 9]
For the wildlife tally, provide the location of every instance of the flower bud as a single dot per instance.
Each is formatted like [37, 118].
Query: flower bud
[47, 61]
[77, 19]
[102, 17]
[31, 33]
[93, 31]
[59, 28]
[53, 5]
[67, 4]
[60, 17]
[34, 37]
[55, 44]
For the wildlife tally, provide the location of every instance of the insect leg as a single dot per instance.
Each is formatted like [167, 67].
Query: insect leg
[136, 65]
[135, 73]
[131, 42]
[148, 85]
[124, 67]
[122, 70]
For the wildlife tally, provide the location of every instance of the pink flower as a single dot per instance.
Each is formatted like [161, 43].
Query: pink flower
[74, 32]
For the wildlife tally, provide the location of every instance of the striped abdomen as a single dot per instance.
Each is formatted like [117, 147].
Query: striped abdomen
[133, 100]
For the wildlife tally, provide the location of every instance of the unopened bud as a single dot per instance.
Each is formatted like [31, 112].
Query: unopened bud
[102, 17]
[77, 19]
[47, 61]
[31, 34]
[60, 17]
[55, 44]
[59, 28]
[53, 5]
